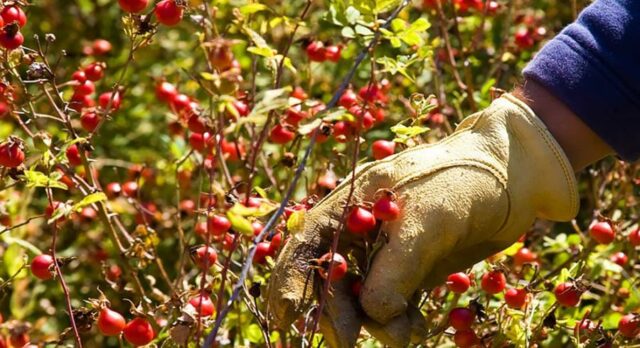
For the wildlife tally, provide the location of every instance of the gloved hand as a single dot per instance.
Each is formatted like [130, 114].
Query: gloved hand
[461, 199]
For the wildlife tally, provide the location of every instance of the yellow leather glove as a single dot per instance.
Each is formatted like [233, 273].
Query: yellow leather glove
[462, 199]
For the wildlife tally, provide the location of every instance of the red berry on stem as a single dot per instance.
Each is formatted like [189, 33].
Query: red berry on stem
[11, 40]
[85, 88]
[203, 305]
[339, 266]
[73, 155]
[168, 12]
[386, 209]
[101, 47]
[461, 318]
[348, 98]
[218, 224]
[42, 266]
[515, 298]
[130, 189]
[110, 322]
[360, 221]
[602, 232]
[316, 51]
[465, 338]
[139, 332]
[11, 153]
[619, 258]
[634, 237]
[133, 6]
[382, 148]
[493, 282]
[90, 121]
[281, 135]
[567, 294]
[629, 325]
[522, 256]
[13, 14]
[79, 76]
[113, 190]
[458, 282]
[105, 99]
[332, 53]
[206, 255]
[95, 71]
[263, 249]
[166, 91]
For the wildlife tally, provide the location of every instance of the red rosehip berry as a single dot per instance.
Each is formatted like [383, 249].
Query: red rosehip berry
[139, 332]
[11, 40]
[493, 282]
[360, 221]
[522, 256]
[515, 298]
[619, 258]
[316, 51]
[73, 155]
[11, 153]
[567, 294]
[465, 338]
[105, 98]
[333, 53]
[281, 134]
[458, 282]
[166, 91]
[90, 121]
[168, 12]
[386, 209]
[634, 237]
[85, 88]
[203, 305]
[13, 14]
[79, 76]
[130, 189]
[339, 266]
[602, 232]
[100, 47]
[42, 266]
[348, 99]
[133, 6]
[218, 224]
[110, 322]
[263, 249]
[524, 38]
[206, 256]
[461, 318]
[113, 190]
[629, 326]
[382, 148]
[95, 71]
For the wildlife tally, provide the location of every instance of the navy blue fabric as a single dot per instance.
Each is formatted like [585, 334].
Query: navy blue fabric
[593, 66]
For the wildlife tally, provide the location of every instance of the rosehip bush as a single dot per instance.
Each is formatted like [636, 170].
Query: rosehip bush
[145, 147]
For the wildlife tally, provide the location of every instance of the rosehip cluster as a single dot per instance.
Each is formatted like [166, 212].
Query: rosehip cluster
[12, 19]
[367, 108]
[285, 131]
[317, 51]
[168, 12]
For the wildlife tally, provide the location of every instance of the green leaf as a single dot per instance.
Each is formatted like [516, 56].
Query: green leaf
[364, 31]
[386, 5]
[352, 15]
[262, 51]
[408, 131]
[307, 128]
[35, 178]
[253, 8]
[348, 32]
[260, 191]
[90, 199]
[14, 261]
[240, 224]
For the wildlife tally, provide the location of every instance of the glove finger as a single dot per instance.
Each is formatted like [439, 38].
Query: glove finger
[408, 327]
[341, 318]
[461, 206]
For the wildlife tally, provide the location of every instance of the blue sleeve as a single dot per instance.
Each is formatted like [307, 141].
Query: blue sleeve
[593, 66]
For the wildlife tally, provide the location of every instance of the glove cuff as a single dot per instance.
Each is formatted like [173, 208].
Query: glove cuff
[535, 156]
